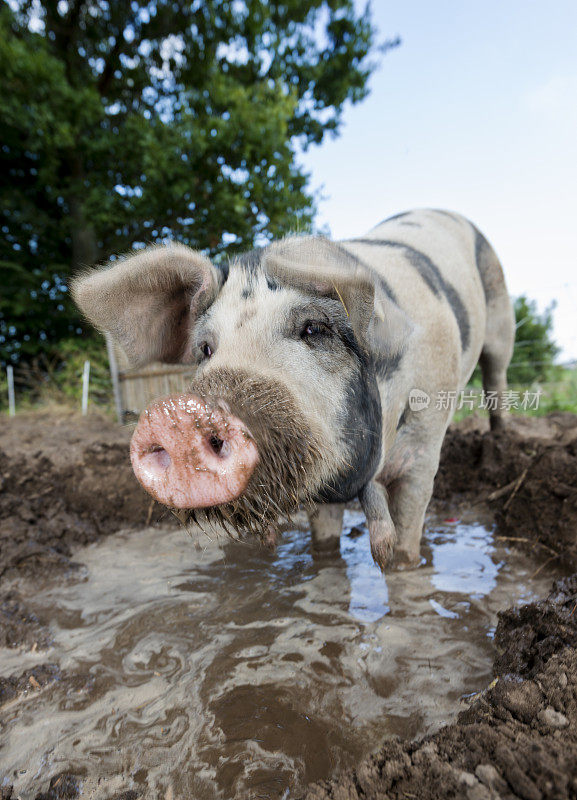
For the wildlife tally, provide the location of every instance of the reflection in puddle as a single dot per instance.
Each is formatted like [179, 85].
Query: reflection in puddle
[220, 670]
[368, 586]
[464, 560]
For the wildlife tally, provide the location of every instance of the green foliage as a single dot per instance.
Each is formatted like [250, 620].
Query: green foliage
[128, 123]
[532, 366]
[535, 350]
[561, 395]
[66, 379]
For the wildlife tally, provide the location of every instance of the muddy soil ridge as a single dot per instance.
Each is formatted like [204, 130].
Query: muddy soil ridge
[527, 474]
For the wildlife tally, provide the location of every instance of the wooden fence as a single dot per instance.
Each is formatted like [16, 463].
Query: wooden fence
[134, 389]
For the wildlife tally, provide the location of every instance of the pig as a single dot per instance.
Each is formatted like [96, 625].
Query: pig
[318, 368]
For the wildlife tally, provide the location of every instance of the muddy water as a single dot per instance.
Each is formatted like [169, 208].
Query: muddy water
[214, 669]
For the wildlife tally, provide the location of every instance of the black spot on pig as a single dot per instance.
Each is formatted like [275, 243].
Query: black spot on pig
[251, 260]
[434, 279]
[387, 364]
[396, 216]
[378, 279]
[403, 418]
[486, 264]
[362, 431]
[222, 270]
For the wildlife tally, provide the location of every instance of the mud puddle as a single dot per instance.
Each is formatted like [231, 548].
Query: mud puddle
[219, 670]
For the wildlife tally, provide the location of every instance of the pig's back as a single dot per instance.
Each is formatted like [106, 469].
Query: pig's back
[428, 261]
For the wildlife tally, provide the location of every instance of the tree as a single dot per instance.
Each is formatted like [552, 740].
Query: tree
[129, 122]
[535, 351]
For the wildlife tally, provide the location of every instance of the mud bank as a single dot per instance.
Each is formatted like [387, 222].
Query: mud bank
[65, 481]
[527, 475]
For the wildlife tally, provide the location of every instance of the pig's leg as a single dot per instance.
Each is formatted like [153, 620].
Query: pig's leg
[499, 333]
[374, 502]
[326, 527]
[494, 361]
[494, 380]
[409, 498]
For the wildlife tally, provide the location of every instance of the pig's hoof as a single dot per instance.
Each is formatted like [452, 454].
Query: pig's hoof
[382, 536]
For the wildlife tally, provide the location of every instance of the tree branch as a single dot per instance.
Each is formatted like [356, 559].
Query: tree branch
[108, 72]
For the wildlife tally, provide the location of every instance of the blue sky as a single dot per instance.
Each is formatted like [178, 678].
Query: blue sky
[476, 112]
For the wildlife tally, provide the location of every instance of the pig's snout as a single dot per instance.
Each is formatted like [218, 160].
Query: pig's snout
[188, 453]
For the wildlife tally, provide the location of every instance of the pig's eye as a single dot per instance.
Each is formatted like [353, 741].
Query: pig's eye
[312, 329]
[206, 349]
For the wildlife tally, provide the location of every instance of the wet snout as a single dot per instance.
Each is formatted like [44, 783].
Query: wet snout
[189, 453]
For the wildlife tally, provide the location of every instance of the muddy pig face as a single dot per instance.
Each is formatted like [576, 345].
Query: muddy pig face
[284, 408]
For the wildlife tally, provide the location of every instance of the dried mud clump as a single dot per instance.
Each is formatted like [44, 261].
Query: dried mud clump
[527, 637]
[29, 681]
[20, 627]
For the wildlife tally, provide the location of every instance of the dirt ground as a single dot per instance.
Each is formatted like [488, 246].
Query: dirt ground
[66, 481]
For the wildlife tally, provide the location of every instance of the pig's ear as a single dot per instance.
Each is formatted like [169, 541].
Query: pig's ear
[319, 266]
[389, 332]
[148, 301]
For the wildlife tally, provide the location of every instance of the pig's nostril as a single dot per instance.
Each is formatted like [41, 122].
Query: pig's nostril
[219, 446]
[159, 455]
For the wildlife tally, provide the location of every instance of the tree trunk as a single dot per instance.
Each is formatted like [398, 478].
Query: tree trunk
[84, 244]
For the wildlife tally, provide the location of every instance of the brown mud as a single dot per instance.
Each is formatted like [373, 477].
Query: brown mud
[66, 481]
[527, 474]
[518, 739]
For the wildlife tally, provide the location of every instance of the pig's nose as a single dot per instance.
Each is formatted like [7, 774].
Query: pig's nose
[191, 454]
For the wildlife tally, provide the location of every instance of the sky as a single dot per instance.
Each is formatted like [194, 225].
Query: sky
[475, 112]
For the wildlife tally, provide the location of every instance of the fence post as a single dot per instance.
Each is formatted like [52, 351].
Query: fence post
[11, 398]
[85, 385]
[114, 376]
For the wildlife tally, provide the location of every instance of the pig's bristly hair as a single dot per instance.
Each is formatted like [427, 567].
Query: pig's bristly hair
[288, 452]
